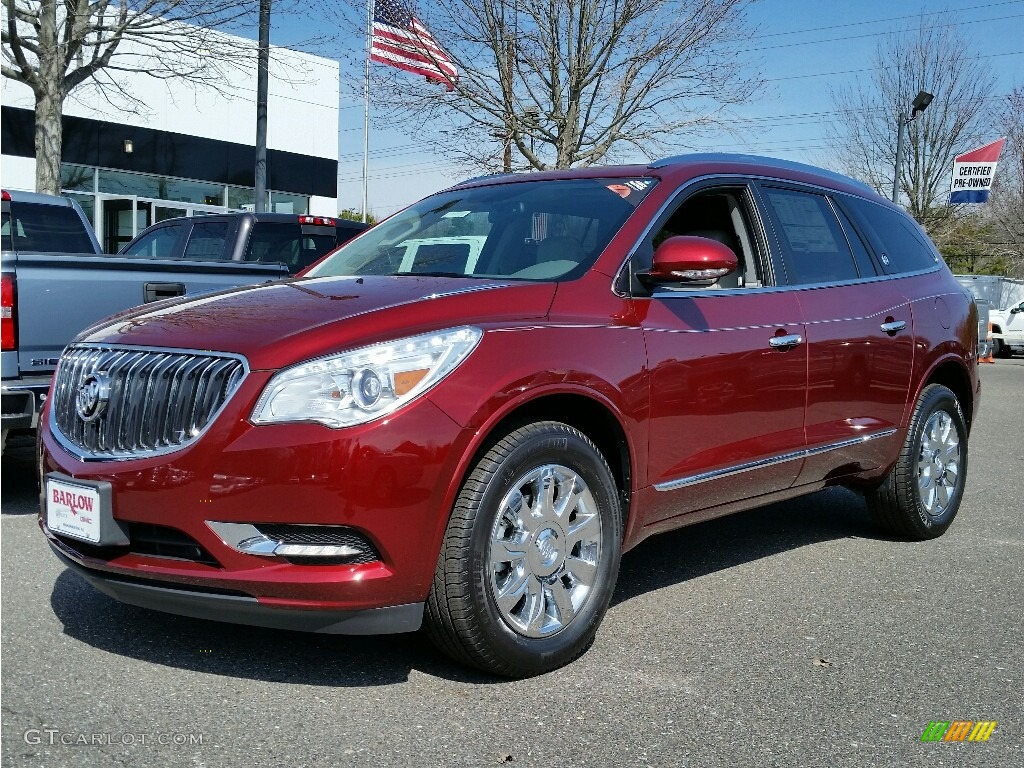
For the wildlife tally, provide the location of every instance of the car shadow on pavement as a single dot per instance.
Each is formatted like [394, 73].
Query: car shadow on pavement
[697, 550]
[254, 653]
[351, 661]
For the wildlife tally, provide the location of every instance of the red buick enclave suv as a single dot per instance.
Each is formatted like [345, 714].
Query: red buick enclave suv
[463, 417]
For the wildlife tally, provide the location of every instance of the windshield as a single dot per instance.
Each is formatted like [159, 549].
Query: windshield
[534, 230]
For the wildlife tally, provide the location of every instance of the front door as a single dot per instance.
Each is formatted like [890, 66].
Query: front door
[727, 407]
[728, 368]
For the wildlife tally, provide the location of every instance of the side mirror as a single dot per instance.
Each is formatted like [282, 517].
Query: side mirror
[685, 259]
[1015, 310]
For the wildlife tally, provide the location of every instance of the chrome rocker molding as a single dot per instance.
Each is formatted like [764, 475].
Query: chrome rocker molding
[684, 482]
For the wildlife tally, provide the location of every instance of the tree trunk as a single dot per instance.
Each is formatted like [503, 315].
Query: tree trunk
[49, 139]
[49, 93]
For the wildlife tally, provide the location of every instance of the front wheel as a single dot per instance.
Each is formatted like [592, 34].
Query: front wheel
[921, 495]
[531, 554]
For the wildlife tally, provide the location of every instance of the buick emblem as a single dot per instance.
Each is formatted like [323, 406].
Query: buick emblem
[93, 396]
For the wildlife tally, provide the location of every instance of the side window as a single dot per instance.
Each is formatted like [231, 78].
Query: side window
[46, 229]
[716, 214]
[156, 244]
[898, 241]
[815, 249]
[207, 241]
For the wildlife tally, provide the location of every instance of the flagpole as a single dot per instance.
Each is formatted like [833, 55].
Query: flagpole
[366, 99]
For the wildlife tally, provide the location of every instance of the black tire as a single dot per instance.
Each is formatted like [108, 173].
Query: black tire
[903, 504]
[1003, 350]
[462, 614]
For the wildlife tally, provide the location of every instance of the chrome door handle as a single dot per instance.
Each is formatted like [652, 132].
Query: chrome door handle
[894, 327]
[785, 342]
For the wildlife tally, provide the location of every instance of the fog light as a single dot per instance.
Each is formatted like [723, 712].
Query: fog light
[316, 550]
[320, 542]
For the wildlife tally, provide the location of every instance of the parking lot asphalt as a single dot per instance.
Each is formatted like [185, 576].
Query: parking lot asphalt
[791, 635]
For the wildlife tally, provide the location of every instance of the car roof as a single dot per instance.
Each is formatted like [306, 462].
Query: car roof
[37, 198]
[683, 167]
[283, 218]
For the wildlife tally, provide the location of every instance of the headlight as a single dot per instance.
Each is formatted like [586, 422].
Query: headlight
[358, 386]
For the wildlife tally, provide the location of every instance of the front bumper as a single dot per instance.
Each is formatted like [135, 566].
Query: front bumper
[389, 482]
[242, 609]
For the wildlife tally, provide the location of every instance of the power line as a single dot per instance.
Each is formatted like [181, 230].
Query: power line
[871, 34]
[890, 19]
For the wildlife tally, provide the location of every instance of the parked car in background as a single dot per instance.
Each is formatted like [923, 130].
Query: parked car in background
[292, 240]
[1008, 330]
[56, 281]
[623, 351]
[1002, 330]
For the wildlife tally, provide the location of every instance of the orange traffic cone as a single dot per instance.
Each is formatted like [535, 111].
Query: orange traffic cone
[987, 357]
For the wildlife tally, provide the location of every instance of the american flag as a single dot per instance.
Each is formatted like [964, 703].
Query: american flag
[399, 39]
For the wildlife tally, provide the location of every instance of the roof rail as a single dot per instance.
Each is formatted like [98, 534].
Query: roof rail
[497, 175]
[772, 162]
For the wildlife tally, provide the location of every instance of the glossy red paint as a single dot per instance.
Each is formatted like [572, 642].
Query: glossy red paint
[682, 391]
[681, 254]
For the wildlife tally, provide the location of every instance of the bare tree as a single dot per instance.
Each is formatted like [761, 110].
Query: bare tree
[57, 47]
[568, 83]
[933, 58]
[1006, 209]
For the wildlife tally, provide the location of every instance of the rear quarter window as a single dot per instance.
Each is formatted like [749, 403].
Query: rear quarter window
[899, 243]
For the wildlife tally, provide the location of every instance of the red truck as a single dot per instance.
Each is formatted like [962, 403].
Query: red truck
[469, 433]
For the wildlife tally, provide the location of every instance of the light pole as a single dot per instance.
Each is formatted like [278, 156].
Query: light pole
[920, 104]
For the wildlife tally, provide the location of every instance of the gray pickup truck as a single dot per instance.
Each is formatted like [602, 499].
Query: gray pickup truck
[56, 282]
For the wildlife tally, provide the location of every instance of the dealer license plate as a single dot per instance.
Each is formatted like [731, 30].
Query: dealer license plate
[74, 510]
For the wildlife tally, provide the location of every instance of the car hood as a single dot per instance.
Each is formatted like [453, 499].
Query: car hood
[277, 324]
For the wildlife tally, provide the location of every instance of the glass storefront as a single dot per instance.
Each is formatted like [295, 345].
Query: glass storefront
[121, 204]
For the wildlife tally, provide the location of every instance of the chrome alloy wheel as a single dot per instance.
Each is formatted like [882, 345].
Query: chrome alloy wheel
[544, 552]
[938, 464]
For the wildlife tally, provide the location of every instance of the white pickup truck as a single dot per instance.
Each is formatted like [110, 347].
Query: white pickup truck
[1008, 330]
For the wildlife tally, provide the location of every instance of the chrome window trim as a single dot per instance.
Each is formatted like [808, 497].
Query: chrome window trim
[76, 451]
[683, 293]
[703, 477]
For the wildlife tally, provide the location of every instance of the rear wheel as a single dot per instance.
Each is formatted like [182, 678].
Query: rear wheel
[920, 497]
[531, 554]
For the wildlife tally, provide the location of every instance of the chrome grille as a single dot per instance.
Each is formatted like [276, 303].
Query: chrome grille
[159, 400]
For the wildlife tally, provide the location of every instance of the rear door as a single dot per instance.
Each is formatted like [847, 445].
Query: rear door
[859, 334]
[728, 368]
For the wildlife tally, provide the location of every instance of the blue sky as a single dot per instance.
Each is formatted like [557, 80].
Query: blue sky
[804, 50]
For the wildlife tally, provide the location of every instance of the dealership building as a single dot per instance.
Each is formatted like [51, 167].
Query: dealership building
[189, 149]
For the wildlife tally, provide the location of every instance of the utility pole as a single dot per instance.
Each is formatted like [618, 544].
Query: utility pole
[262, 87]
